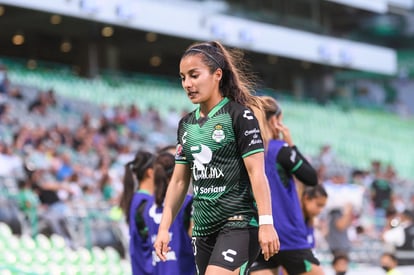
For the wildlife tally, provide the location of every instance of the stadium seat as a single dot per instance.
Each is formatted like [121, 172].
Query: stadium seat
[5, 231]
[58, 242]
[27, 242]
[112, 255]
[43, 242]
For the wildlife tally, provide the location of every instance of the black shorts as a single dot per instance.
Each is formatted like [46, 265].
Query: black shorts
[229, 248]
[294, 261]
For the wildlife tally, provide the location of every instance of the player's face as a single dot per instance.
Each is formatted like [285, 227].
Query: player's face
[314, 206]
[275, 120]
[200, 84]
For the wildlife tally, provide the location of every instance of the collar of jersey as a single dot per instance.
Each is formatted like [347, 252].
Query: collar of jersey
[215, 109]
[142, 191]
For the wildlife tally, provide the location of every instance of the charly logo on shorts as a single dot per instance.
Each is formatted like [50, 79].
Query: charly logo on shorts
[218, 133]
[227, 253]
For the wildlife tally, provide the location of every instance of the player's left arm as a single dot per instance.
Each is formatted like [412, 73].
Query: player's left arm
[250, 145]
[268, 238]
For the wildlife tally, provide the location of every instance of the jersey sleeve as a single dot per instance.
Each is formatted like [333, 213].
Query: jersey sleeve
[247, 131]
[180, 156]
[295, 163]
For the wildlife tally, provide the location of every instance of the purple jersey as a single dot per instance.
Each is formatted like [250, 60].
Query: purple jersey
[180, 260]
[140, 248]
[287, 212]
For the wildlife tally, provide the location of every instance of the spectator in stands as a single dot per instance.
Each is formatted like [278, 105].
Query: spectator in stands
[29, 203]
[327, 155]
[401, 237]
[51, 98]
[133, 122]
[340, 264]
[340, 214]
[389, 263]
[5, 86]
[107, 188]
[40, 104]
[4, 80]
[5, 114]
[283, 161]
[54, 210]
[10, 163]
[381, 195]
[65, 168]
[340, 220]
[343, 207]
[220, 148]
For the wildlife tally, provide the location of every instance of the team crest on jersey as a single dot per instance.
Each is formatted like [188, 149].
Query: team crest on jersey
[218, 133]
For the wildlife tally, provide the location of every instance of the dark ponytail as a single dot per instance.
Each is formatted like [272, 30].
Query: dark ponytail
[163, 169]
[134, 173]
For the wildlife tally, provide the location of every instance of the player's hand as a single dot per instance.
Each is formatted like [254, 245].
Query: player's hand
[285, 133]
[161, 244]
[268, 240]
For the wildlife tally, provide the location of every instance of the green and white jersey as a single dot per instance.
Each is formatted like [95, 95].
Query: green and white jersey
[214, 147]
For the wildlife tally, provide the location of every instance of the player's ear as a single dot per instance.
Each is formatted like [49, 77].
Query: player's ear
[218, 74]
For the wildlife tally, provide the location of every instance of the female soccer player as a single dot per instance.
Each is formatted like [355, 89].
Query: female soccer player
[219, 148]
[283, 161]
[143, 208]
[138, 190]
[314, 199]
[180, 259]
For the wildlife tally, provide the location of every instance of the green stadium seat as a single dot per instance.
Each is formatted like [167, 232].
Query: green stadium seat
[99, 255]
[13, 243]
[5, 271]
[112, 255]
[27, 242]
[5, 231]
[72, 256]
[85, 256]
[43, 242]
[58, 242]
[40, 257]
[9, 257]
[24, 256]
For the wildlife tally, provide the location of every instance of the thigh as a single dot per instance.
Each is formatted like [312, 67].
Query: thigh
[261, 264]
[293, 261]
[235, 248]
[298, 261]
[202, 249]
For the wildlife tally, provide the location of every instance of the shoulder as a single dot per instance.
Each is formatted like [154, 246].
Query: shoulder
[188, 116]
[239, 112]
[235, 107]
[279, 144]
[140, 196]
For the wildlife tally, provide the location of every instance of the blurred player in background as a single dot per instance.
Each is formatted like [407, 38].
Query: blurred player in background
[283, 161]
[180, 259]
[138, 191]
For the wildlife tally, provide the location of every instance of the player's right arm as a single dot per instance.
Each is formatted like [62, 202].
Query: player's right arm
[176, 192]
